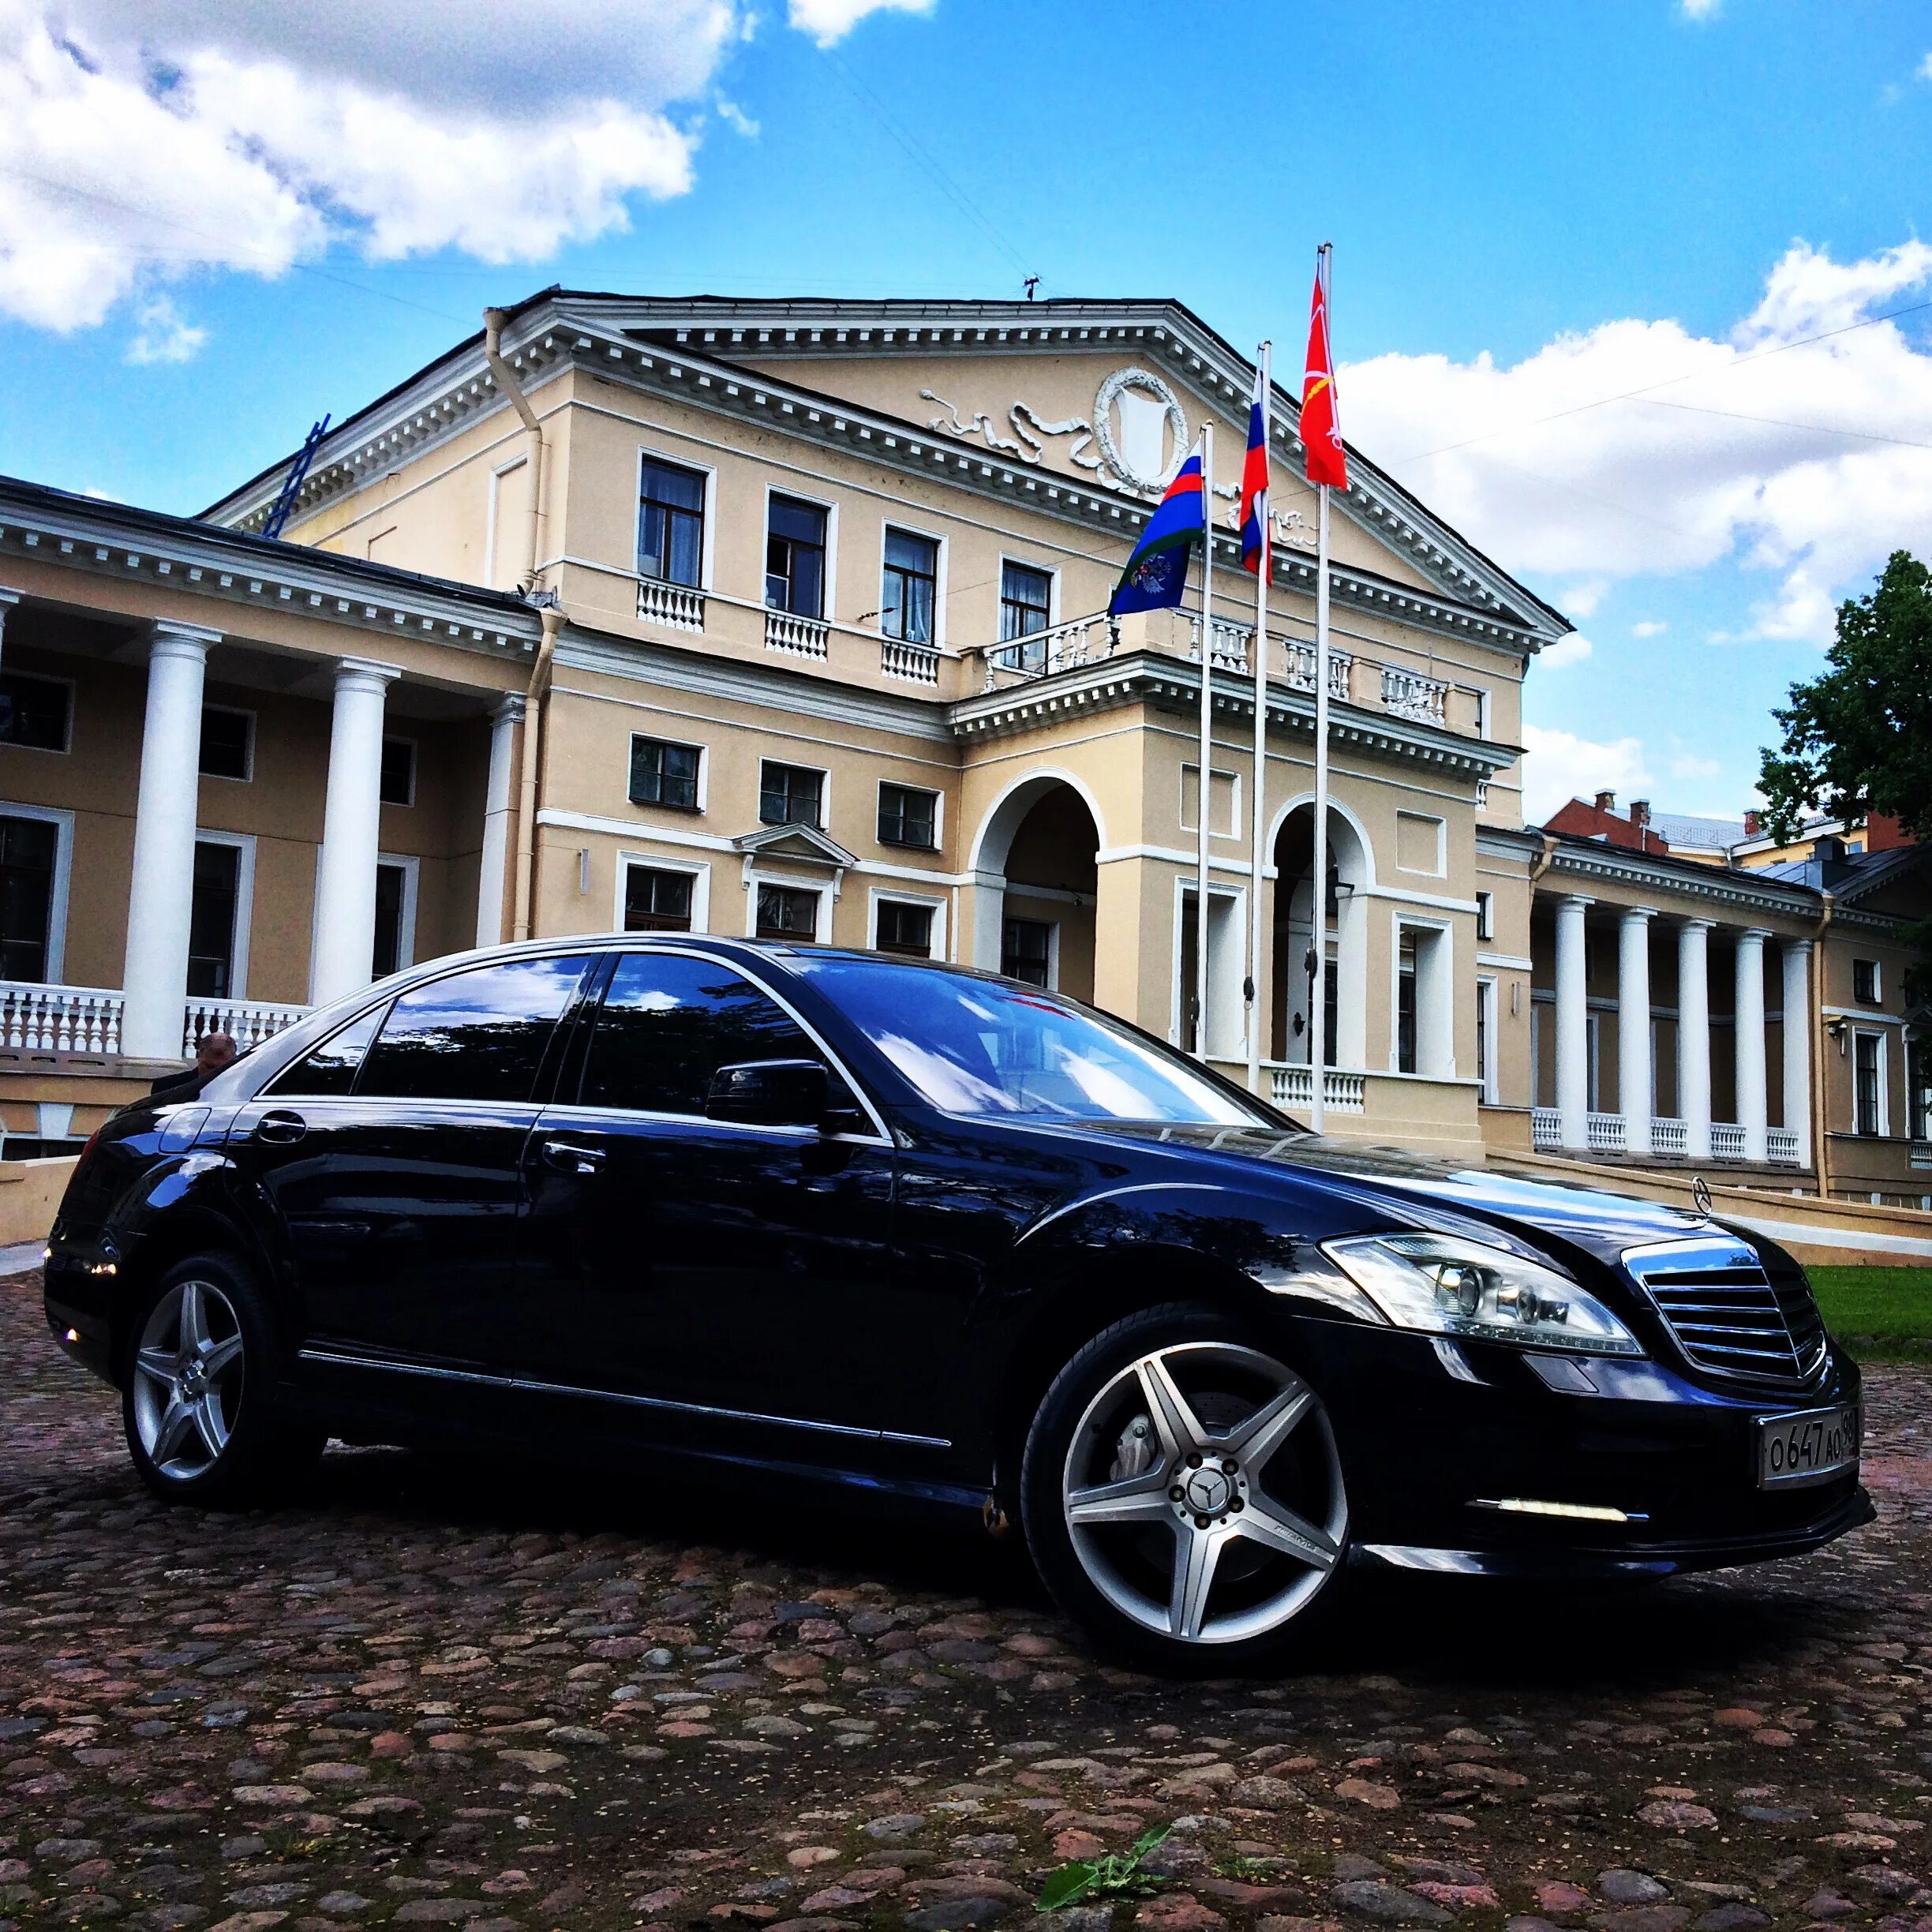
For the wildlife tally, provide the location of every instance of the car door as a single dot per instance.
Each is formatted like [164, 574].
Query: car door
[703, 1262]
[392, 1157]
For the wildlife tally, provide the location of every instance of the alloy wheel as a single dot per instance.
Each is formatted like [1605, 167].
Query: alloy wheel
[188, 1373]
[1202, 1494]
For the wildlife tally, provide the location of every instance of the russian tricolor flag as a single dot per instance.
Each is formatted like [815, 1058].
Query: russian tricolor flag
[1254, 483]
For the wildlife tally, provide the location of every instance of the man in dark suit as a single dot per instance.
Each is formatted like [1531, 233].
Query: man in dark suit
[215, 1054]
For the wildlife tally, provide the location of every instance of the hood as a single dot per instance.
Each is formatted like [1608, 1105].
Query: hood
[1436, 1193]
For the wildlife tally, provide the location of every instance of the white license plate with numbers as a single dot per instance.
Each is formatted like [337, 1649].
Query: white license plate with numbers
[1811, 1447]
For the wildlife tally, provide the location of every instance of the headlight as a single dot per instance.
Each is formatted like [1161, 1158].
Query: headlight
[1442, 1284]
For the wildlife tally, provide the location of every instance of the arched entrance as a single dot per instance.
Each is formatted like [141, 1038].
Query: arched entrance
[1351, 871]
[1036, 879]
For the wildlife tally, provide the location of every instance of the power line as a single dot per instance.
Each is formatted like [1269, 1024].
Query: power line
[1627, 395]
[1780, 422]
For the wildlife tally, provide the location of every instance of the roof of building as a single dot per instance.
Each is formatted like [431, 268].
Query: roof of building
[1686, 829]
[1847, 875]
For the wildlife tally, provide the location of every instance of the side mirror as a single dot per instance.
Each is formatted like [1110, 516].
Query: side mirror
[770, 1093]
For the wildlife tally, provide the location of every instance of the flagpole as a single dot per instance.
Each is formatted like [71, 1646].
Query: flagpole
[1318, 995]
[1258, 786]
[1206, 744]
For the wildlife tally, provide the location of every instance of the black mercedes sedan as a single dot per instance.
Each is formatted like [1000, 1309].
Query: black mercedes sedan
[768, 1214]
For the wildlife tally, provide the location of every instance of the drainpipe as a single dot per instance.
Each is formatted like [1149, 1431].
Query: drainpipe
[1821, 1145]
[553, 618]
[493, 321]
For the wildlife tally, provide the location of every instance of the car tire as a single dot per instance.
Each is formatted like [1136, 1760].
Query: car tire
[201, 1406]
[1181, 1494]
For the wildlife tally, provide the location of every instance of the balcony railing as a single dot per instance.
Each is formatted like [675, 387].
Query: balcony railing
[677, 606]
[1301, 669]
[1782, 1146]
[86, 1020]
[1040, 653]
[1294, 1087]
[1607, 1134]
[1231, 643]
[1670, 1136]
[917, 663]
[1726, 1141]
[797, 636]
[1410, 695]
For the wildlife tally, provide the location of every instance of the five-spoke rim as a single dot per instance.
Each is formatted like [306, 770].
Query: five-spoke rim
[1202, 1494]
[188, 1380]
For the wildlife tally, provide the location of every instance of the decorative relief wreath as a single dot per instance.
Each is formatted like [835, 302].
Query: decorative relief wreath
[1110, 392]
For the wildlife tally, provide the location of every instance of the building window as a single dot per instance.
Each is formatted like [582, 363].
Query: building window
[29, 848]
[1026, 951]
[1865, 982]
[33, 711]
[227, 742]
[909, 593]
[1485, 916]
[795, 557]
[1026, 601]
[656, 901]
[786, 912]
[211, 920]
[1868, 1084]
[1406, 1003]
[1485, 1039]
[904, 929]
[791, 794]
[1918, 1087]
[398, 786]
[665, 774]
[394, 921]
[671, 524]
[907, 816]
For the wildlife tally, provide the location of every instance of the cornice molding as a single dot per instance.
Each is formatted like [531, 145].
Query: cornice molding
[180, 555]
[1477, 601]
[1147, 677]
[1704, 882]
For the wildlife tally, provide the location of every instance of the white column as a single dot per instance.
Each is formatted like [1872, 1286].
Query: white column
[341, 957]
[155, 977]
[8, 600]
[1694, 1037]
[1636, 1099]
[1572, 1021]
[1798, 1046]
[496, 799]
[1749, 1012]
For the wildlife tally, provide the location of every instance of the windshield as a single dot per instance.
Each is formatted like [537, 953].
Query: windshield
[979, 1046]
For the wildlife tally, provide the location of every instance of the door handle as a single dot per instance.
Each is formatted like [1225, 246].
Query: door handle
[282, 1127]
[569, 1157]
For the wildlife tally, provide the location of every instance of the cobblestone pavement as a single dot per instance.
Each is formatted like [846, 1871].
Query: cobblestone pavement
[418, 1697]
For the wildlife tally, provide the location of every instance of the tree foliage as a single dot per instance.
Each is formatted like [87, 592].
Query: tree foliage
[1858, 737]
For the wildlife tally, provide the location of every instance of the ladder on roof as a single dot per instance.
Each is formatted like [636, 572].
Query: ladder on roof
[298, 472]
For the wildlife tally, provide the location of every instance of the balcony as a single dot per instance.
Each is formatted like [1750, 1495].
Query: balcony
[796, 636]
[1062, 647]
[1294, 1087]
[84, 1022]
[917, 663]
[678, 607]
[1301, 669]
[1410, 695]
[1669, 1139]
[1232, 642]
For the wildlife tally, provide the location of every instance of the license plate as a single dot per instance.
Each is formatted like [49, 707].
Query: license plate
[1808, 1447]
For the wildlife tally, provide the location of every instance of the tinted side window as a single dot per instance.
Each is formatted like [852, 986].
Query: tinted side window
[670, 1021]
[331, 1068]
[476, 1036]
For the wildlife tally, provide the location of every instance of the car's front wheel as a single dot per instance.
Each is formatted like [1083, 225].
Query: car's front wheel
[199, 1407]
[1181, 1491]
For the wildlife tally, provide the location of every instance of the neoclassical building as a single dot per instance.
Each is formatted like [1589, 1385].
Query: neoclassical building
[787, 618]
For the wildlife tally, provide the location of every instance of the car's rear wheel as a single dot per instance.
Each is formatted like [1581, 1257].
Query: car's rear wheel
[200, 1408]
[1181, 1491]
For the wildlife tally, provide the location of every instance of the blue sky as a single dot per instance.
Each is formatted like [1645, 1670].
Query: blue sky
[215, 224]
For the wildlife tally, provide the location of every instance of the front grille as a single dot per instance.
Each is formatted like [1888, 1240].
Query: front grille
[1730, 1314]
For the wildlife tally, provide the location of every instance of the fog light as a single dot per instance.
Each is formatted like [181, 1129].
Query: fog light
[1578, 1512]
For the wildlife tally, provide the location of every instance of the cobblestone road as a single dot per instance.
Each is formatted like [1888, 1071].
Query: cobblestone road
[418, 1699]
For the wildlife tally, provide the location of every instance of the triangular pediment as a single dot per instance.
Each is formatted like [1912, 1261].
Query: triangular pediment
[797, 840]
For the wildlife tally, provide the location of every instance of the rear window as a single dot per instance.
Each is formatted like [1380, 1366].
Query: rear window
[475, 1035]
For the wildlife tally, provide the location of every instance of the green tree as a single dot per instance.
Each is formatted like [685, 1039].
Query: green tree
[1857, 738]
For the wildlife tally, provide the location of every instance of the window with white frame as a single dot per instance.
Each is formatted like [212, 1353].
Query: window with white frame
[909, 589]
[213, 902]
[908, 815]
[671, 506]
[786, 912]
[795, 556]
[34, 849]
[657, 900]
[1868, 1094]
[1485, 916]
[791, 794]
[903, 927]
[1486, 1039]
[1027, 951]
[665, 774]
[1865, 982]
[1026, 599]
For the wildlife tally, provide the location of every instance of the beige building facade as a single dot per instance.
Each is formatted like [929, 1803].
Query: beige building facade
[788, 618]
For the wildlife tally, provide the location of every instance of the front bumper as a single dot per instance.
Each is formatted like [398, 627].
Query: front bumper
[1433, 1436]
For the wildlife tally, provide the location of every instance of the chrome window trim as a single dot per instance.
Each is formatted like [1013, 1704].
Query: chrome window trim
[344, 1358]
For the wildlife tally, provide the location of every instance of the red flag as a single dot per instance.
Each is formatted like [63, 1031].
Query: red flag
[1321, 423]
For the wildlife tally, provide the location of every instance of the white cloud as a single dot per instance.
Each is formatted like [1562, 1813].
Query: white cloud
[1649, 627]
[1567, 650]
[1558, 766]
[164, 334]
[1581, 599]
[1925, 73]
[1700, 9]
[1691, 471]
[828, 21]
[1688, 766]
[735, 117]
[144, 140]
